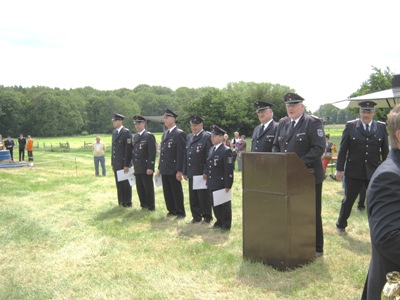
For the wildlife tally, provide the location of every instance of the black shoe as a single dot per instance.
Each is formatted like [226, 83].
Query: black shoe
[180, 217]
[193, 221]
[332, 176]
[225, 229]
[319, 254]
[127, 205]
[360, 209]
[169, 215]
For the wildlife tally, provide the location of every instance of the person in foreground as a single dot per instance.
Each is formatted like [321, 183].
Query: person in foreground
[264, 134]
[383, 209]
[304, 135]
[198, 146]
[121, 159]
[170, 165]
[144, 156]
[363, 147]
[220, 176]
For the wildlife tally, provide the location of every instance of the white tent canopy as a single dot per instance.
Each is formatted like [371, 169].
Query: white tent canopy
[384, 99]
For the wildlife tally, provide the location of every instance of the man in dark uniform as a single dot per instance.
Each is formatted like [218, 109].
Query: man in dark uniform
[9, 144]
[363, 147]
[121, 158]
[383, 208]
[264, 134]
[170, 165]
[304, 135]
[22, 144]
[198, 144]
[220, 176]
[144, 156]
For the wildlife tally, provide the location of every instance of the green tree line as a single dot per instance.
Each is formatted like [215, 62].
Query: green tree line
[47, 112]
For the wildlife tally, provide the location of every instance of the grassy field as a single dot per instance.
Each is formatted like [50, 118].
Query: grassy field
[63, 236]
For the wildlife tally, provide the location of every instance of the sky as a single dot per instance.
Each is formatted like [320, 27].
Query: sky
[323, 50]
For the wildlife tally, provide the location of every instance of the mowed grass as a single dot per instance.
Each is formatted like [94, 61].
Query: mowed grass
[63, 236]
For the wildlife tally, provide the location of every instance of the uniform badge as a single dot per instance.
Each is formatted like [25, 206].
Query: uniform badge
[320, 132]
[129, 141]
[230, 160]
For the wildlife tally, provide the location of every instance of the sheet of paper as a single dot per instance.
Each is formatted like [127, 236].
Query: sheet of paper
[121, 176]
[132, 180]
[221, 196]
[199, 183]
[158, 180]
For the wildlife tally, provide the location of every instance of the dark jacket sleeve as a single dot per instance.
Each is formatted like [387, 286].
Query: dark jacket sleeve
[344, 147]
[152, 150]
[180, 148]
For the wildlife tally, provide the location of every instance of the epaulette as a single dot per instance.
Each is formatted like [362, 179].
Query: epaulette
[148, 132]
[351, 121]
[381, 122]
[315, 117]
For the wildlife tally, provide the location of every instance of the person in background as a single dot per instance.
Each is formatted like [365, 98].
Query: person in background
[240, 147]
[363, 147]
[383, 209]
[121, 159]
[29, 148]
[99, 149]
[198, 145]
[1, 142]
[328, 153]
[170, 166]
[21, 147]
[144, 156]
[264, 134]
[220, 176]
[309, 149]
[226, 140]
[9, 144]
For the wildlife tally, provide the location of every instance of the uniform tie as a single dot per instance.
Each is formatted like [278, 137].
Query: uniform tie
[261, 130]
[367, 128]
[291, 128]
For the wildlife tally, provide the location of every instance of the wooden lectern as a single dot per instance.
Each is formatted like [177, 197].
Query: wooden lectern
[279, 223]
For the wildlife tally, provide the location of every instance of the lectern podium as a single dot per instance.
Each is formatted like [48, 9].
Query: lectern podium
[278, 210]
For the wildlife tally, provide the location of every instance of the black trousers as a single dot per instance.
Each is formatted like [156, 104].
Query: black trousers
[145, 190]
[200, 203]
[173, 195]
[385, 259]
[352, 189]
[11, 152]
[21, 154]
[124, 191]
[30, 155]
[222, 213]
[361, 197]
[318, 207]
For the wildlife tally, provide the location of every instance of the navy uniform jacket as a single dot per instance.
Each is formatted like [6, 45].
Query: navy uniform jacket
[144, 152]
[307, 140]
[172, 152]
[383, 208]
[121, 155]
[265, 141]
[220, 168]
[362, 152]
[197, 149]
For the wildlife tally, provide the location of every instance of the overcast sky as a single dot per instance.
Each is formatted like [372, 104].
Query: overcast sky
[324, 50]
